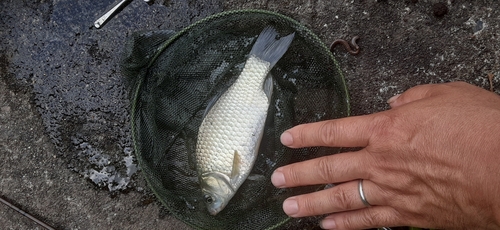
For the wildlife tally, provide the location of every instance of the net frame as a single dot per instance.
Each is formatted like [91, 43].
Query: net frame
[144, 66]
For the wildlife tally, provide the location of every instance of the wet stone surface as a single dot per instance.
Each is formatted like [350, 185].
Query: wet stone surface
[73, 70]
[65, 142]
[64, 110]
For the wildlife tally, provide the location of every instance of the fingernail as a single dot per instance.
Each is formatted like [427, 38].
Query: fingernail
[286, 138]
[393, 98]
[290, 206]
[328, 224]
[278, 179]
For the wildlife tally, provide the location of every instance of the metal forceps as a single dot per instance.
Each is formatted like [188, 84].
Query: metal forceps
[103, 19]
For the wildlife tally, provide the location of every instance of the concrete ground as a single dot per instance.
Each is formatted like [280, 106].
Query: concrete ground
[63, 101]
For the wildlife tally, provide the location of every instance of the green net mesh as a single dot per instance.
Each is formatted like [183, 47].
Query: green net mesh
[173, 76]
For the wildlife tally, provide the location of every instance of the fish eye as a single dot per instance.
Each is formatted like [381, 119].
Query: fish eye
[209, 199]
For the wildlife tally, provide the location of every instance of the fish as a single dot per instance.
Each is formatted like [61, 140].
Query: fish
[233, 123]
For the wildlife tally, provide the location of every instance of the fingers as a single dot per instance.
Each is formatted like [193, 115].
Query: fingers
[356, 131]
[340, 198]
[373, 217]
[323, 170]
[344, 132]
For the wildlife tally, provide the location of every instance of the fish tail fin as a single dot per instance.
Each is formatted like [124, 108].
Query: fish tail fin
[270, 49]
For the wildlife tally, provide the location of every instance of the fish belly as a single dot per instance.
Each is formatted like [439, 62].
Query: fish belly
[234, 125]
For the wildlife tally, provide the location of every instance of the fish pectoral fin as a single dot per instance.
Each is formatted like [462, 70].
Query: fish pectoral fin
[235, 171]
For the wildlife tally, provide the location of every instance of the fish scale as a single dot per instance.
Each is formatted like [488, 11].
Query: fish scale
[230, 133]
[234, 120]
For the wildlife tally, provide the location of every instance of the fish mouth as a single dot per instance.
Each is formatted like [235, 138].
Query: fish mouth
[214, 212]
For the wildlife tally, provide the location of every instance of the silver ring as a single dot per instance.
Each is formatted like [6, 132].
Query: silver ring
[362, 194]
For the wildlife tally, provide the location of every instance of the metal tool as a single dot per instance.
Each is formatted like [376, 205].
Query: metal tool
[102, 20]
[39, 222]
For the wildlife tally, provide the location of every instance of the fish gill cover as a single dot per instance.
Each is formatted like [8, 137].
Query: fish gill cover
[172, 78]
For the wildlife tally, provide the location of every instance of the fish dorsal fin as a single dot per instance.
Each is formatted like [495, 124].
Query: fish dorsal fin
[268, 86]
[235, 171]
[211, 104]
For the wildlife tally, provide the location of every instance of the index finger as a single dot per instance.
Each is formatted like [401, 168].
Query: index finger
[335, 168]
[343, 132]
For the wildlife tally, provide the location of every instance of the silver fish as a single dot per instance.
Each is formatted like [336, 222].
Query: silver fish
[230, 134]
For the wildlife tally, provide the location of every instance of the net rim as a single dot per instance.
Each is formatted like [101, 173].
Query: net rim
[136, 91]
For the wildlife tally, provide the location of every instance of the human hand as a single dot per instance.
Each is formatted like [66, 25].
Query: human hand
[432, 160]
